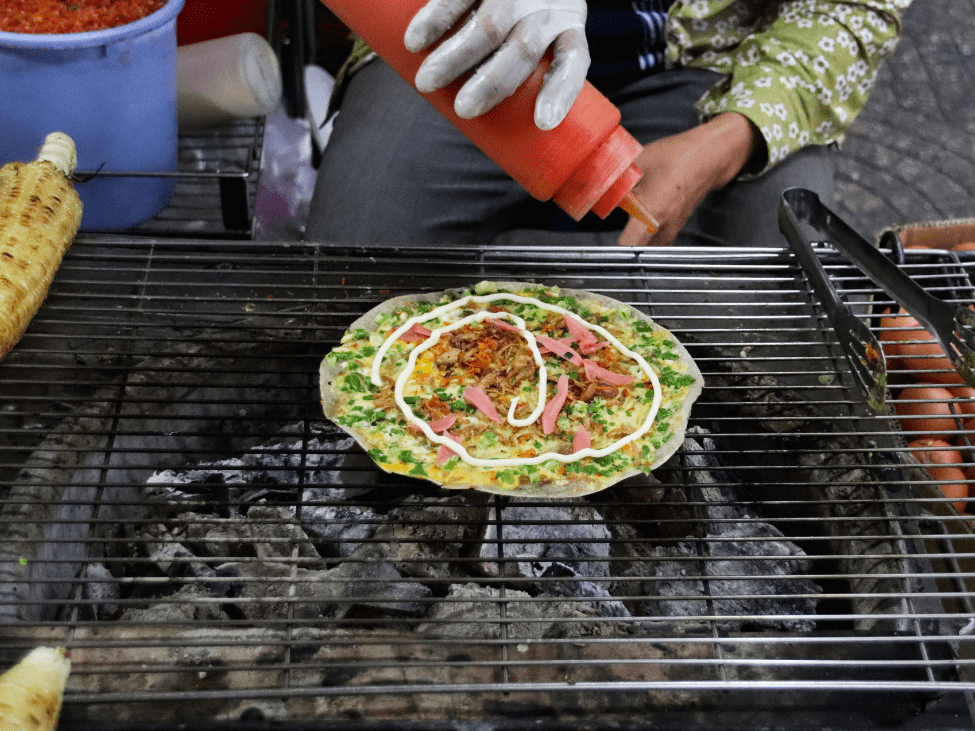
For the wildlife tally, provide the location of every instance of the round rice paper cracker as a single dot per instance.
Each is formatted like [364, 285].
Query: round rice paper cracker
[458, 374]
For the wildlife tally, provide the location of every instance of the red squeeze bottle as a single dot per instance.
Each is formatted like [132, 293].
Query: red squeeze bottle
[586, 163]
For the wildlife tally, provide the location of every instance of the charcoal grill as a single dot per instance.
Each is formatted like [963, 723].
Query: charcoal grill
[216, 555]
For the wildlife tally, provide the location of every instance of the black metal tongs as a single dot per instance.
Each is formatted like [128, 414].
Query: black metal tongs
[859, 344]
[951, 325]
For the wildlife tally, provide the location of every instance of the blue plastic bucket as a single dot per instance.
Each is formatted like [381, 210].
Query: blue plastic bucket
[114, 92]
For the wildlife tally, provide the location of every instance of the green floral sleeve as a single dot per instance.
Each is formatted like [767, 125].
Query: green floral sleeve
[801, 70]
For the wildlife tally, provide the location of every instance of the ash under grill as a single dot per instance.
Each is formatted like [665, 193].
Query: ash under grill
[180, 516]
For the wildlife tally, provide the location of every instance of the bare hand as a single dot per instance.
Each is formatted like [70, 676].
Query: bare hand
[678, 171]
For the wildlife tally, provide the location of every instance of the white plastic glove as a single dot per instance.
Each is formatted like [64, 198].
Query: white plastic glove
[517, 33]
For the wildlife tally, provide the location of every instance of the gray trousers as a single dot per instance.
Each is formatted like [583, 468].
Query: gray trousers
[396, 172]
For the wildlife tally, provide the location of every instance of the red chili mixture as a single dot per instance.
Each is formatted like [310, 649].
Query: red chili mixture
[71, 16]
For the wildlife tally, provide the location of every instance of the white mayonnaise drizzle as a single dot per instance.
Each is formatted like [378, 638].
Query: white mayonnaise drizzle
[434, 337]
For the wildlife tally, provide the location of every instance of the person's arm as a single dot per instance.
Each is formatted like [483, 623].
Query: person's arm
[795, 78]
[800, 71]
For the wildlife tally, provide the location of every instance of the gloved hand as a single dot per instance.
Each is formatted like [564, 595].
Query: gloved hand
[517, 33]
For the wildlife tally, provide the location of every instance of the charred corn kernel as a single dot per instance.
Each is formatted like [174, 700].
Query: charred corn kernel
[32, 690]
[39, 216]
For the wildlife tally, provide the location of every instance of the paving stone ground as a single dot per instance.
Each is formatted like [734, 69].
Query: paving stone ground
[910, 156]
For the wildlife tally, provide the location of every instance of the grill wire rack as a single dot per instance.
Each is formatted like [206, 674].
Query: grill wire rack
[214, 554]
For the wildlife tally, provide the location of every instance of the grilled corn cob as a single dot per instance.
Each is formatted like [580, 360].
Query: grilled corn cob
[32, 690]
[39, 215]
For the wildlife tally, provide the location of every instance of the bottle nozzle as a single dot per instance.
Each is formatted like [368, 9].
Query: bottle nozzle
[632, 205]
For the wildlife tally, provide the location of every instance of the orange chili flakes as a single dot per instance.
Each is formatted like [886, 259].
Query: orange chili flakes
[72, 16]
[435, 408]
[438, 348]
[608, 356]
[484, 356]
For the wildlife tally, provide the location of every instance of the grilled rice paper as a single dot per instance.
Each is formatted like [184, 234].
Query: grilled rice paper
[597, 420]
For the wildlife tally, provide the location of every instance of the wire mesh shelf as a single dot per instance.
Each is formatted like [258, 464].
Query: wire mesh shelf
[216, 183]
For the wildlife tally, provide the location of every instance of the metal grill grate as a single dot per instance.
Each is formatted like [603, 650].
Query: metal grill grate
[179, 515]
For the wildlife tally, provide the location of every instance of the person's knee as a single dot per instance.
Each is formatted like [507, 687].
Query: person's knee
[745, 212]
